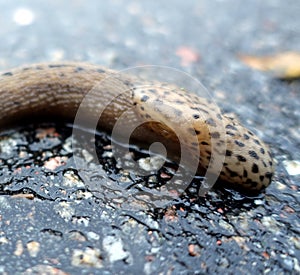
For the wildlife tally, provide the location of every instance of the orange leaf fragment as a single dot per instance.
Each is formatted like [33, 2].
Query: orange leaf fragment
[188, 55]
[284, 65]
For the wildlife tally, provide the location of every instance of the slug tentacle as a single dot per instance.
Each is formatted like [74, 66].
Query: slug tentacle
[57, 90]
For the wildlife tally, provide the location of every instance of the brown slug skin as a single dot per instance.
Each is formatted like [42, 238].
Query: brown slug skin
[57, 90]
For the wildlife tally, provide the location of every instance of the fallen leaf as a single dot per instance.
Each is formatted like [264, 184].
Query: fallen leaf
[284, 65]
[188, 55]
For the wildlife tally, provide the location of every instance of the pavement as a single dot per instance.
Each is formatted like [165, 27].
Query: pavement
[50, 223]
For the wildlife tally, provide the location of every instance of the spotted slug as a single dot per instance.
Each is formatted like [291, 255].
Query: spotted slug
[57, 90]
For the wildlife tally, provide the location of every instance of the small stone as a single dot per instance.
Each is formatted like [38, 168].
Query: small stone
[194, 250]
[292, 167]
[87, 156]
[77, 236]
[19, 248]
[151, 163]
[296, 242]
[88, 257]
[3, 240]
[271, 224]
[114, 248]
[33, 248]
[65, 210]
[259, 202]
[81, 220]
[71, 180]
[93, 236]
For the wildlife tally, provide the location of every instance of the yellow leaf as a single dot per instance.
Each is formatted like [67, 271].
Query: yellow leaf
[284, 65]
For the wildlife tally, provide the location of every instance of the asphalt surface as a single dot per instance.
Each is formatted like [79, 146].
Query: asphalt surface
[50, 223]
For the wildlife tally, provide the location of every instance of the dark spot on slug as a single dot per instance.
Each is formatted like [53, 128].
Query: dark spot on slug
[207, 152]
[199, 109]
[144, 98]
[228, 153]
[246, 136]
[101, 71]
[219, 116]
[7, 74]
[253, 183]
[152, 91]
[231, 127]
[261, 178]
[157, 101]
[195, 116]
[215, 135]
[253, 154]
[178, 112]
[230, 133]
[231, 173]
[180, 102]
[238, 143]
[262, 150]
[254, 168]
[256, 141]
[245, 173]
[78, 69]
[241, 158]
[269, 175]
[204, 143]
[211, 122]
[57, 65]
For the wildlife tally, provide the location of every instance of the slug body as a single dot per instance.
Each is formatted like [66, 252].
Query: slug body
[170, 114]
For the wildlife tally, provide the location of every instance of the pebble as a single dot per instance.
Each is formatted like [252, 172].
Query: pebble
[33, 248]
[292, 167]
[72, 180]
[114, 248]
[19, 248]
[8, 145]
[93, 236]
[87, 257]
[151, 163]
[64, 210]
[270, 224]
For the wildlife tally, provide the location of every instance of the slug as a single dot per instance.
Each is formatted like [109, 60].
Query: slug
[57, 90]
